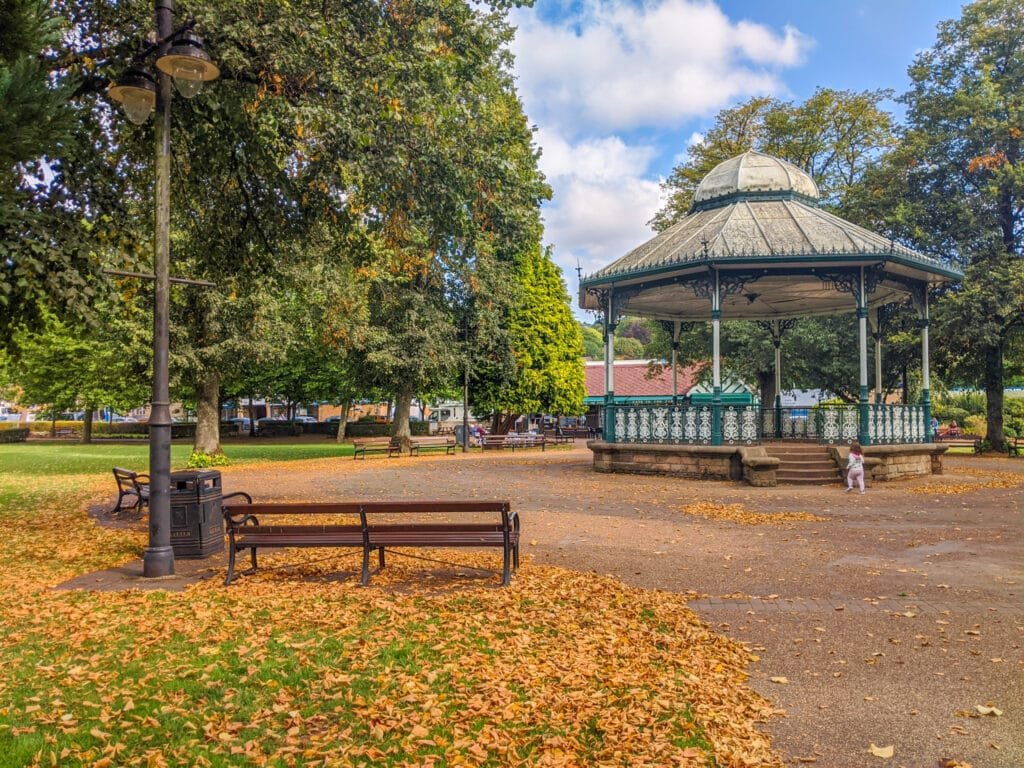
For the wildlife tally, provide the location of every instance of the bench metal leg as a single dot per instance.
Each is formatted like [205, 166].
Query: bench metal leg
[505, 578]
[365, 579]
[380, 558]
[231, 564]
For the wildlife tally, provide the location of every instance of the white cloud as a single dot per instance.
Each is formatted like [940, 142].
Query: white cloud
[619, 65]
[607, 81]
[602, 200]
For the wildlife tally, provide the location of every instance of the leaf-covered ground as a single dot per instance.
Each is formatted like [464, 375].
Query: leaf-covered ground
[300, 666]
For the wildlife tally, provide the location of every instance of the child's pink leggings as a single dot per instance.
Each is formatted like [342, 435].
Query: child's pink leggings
[855, 473]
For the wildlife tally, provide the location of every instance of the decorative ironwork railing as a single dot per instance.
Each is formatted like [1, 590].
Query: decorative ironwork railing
[683, 424]
[661, 423]
[897, 424]
[828, 424]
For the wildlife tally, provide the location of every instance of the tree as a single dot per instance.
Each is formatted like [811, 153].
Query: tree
[73, 367]
[835, 136]
[953, 189]
[44, 254]
[547, 348]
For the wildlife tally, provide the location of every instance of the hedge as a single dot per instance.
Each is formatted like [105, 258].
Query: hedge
[13, 434]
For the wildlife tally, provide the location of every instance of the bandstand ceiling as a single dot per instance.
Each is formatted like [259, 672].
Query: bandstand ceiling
[777, 255]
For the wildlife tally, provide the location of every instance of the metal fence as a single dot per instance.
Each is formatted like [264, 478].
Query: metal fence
[660, 423]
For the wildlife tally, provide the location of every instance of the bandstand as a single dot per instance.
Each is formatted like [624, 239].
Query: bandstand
[756, 246]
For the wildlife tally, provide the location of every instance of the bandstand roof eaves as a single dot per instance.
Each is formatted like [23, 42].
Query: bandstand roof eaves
[768, 229]
[777, 261]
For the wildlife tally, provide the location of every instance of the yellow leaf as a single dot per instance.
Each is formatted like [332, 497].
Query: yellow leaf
[884, 752]
[988, 710]
[780, 680]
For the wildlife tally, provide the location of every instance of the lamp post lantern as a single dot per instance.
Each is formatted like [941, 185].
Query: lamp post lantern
[180, 56]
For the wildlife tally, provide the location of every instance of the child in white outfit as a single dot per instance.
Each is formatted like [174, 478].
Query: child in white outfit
[855, 467]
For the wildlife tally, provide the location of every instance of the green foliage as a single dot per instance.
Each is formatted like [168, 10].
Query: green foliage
[198, 460]
[834, 136]
[12, 433]
[67, 367]
[593, 342]
[953, 188]
[547, 345]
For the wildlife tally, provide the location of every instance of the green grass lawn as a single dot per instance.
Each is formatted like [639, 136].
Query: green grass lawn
[78, 458]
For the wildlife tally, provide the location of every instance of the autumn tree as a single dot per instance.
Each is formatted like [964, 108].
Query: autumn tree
[953, 189]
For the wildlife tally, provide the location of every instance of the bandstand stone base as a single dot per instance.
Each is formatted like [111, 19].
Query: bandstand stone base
[703, 462]
[896, 462]
[751, 463]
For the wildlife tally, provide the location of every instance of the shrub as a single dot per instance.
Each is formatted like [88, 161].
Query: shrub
[974, 425]
[200, 460]
[13, 434]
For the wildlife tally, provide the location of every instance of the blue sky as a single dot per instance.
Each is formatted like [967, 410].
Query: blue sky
[618, 89]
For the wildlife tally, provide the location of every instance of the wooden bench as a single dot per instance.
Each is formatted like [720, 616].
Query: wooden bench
[365, 445]
[1013, 447]
[513, 441]
[558, 437]
[963, 442]
[434, 441]
[372, 526]
[131, 484]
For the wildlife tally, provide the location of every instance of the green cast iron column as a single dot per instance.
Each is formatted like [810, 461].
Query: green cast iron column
[864, 435]
[716, 365]
[608, 433]
[926, 395]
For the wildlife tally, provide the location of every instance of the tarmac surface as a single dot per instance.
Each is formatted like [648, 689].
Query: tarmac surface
[894, 621]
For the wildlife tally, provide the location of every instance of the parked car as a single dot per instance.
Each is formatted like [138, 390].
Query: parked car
[270, 420]
[332, 419]
[305, 420]
[241, 423]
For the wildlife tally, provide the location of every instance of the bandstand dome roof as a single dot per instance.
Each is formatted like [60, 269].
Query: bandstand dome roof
[755, 222]
[754, 172]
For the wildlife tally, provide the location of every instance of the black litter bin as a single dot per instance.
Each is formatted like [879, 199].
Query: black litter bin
[197, 523]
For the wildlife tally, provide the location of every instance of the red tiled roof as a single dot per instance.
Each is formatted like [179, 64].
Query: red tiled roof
[632, 379]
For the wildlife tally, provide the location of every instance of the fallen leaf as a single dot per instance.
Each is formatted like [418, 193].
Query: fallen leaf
[780, 680]
[884, 752]
[988, 710]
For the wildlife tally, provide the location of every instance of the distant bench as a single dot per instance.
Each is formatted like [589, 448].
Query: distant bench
[513, 441]
[373, 527]
[365, 445]
[393, 446]
[436, 441]
[558, 437]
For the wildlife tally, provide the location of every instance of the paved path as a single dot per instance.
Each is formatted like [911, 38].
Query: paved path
[889, 621]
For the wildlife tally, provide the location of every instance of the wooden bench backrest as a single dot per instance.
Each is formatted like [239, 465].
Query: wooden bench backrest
[373, 440]
[353, 507]
[125, 477]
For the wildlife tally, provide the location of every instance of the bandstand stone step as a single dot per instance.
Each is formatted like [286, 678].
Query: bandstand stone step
[803, 463]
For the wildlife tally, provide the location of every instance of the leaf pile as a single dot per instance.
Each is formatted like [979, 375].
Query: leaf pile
[987, 479]
[737, 513]
[297, 665]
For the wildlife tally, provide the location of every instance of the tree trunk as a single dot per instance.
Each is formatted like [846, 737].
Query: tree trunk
[252, 415]
[87, 424]
[343, 419]
[400, 427]
[906, 385]
[766, 387]
[208, 415]
[994, 396]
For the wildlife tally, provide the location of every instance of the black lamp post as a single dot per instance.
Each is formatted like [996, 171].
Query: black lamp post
[180, 56]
